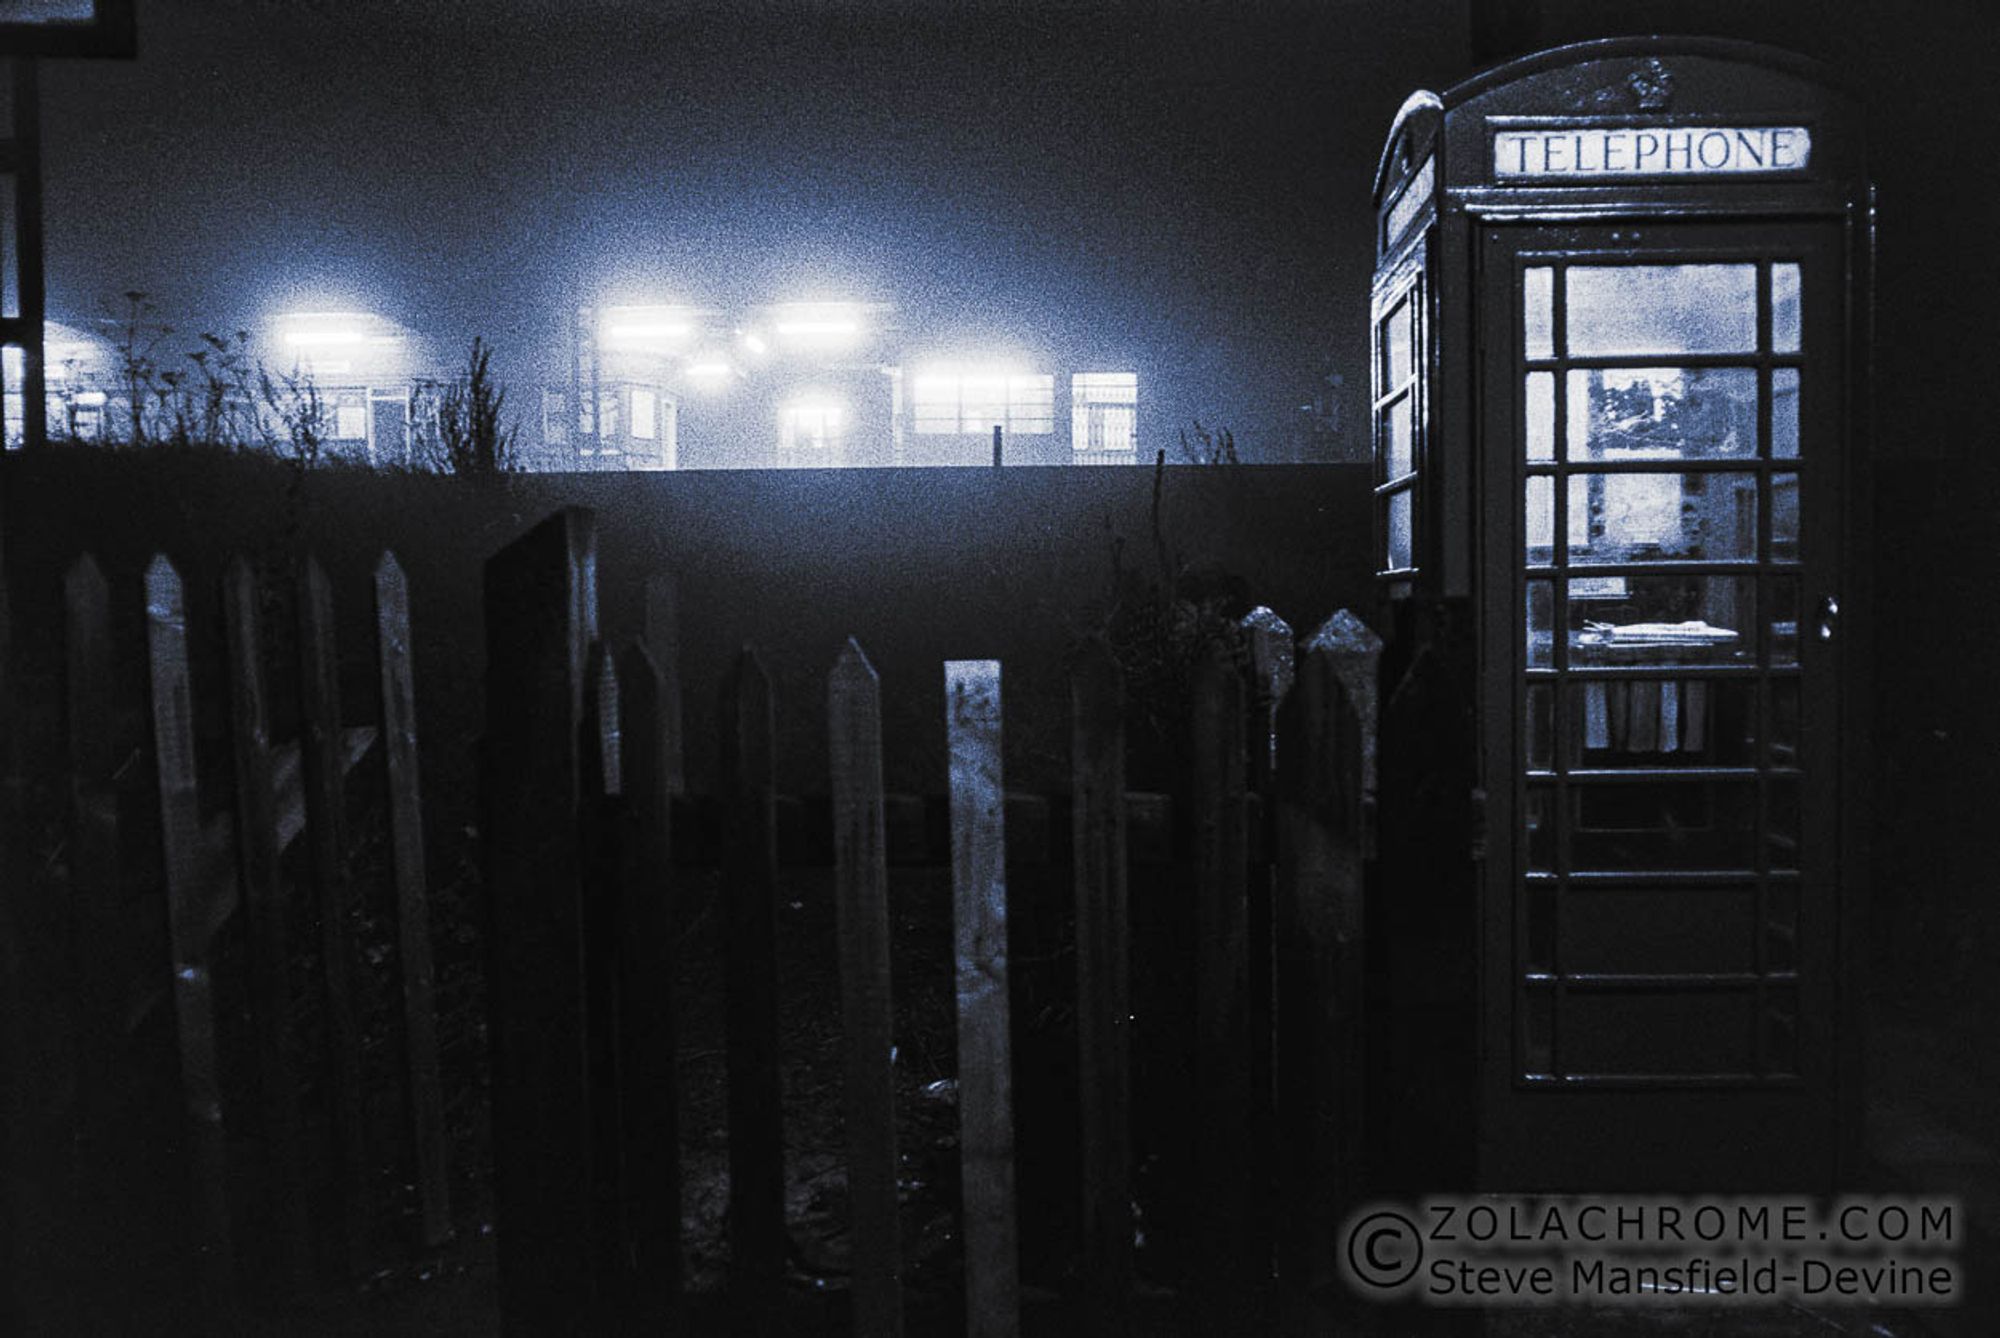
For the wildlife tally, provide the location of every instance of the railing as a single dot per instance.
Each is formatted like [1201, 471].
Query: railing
[585, 832]
[581, 869]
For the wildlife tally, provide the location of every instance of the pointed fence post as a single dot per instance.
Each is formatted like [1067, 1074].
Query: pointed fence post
[1103, 985]
[647, 971]
[188, 910]
[985, 1075]
[1271, 676]
[750, 979]
[326, 828]
[1272, 672]
[1223, 1105]
[100, 931]
[541, 616]
[258, 852]
[861, 900]
[1327, 759]
[18, 1262]
[424, 1085]
[603, 862]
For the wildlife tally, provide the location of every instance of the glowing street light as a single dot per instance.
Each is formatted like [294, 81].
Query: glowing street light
[818, 325]
[711, 370]
[654, 330]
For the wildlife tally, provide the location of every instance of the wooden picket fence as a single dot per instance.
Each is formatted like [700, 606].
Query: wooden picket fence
[584, 821]
[581, 814]
[216, 870]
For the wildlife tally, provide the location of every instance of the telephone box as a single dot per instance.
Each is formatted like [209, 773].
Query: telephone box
[1620, 324]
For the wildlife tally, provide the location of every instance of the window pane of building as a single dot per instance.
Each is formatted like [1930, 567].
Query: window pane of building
[350, 421]
[810, 426]
[645, 415]
[934, 404]
[1104, 411]
[555, 417]
[1031, 405]
[984, 403]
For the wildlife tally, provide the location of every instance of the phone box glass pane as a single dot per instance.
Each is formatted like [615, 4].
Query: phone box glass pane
[1676, 826]
[1667, 1033]
[1538, 308]
[1396, 346]
[1662, 619]
[1643, 723]
[1785, 413]
[1398, 530]
[1785, 324]
[1541, 415]
[1663, 517]
[1639, 929]
[1619, 309]
[1662, 413]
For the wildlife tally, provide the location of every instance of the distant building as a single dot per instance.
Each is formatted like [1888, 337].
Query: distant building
[814, 385]
[368, 373]
[819, 384]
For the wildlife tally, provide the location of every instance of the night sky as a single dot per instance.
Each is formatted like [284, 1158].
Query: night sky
[1182, 188]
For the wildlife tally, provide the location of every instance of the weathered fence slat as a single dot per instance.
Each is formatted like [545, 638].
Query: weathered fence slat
[1271, 668]
[649, 1091]
[322, 749]
[861, 900]
[1326, 753]
[1223, 1102]
[750, 978]
[663, 643]
[187, 898]
[1103, 985]
[603, 863]
[985, 1074]
[17, 1263]
[100, 931]
[413, 912]
[540, 621]
[270, 953]
[214, 881]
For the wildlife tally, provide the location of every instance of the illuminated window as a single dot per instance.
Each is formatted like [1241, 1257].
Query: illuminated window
[555, 417]
[350, 421]
[973, 404]
[811, 425]
[645, 415]
[1104, 411]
